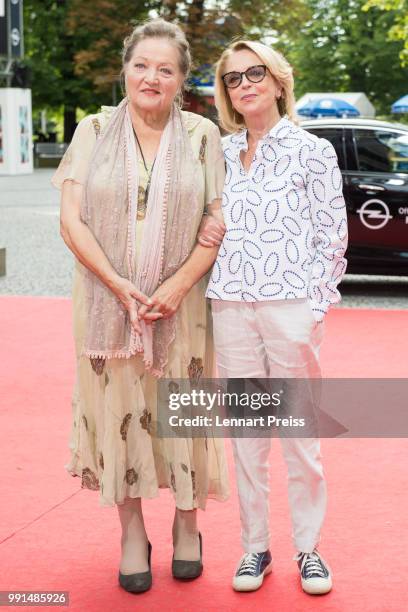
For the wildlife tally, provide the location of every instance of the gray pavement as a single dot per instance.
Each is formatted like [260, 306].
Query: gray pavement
[39, 263]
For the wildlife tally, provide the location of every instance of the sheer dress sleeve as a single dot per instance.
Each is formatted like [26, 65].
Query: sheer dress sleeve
[75, 162]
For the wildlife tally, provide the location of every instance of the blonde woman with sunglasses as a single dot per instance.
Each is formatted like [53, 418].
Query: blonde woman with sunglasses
[272, 283]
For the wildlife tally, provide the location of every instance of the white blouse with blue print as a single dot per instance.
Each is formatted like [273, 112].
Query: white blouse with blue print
[286, 221]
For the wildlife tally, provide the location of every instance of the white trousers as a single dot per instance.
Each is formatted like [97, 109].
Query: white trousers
[273, 339]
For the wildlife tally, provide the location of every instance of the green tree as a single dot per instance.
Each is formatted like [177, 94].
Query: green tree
[100, 28]
[74, 47]
[399, 28]
[276, 21]
[209, 27]
[54, 42]
[50, 51]
[342, 48]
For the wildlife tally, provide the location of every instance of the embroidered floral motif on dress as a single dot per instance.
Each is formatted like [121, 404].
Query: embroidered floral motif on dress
[195, 369]
[89, 479]
[145, 420]
[131, 476]
[98, 364]
[125, 426]
[172, 478]
[201, 155]
[173, 387]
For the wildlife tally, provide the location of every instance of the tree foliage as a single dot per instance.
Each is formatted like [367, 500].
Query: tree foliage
[74, 46]
[99, 28]
[399, 28]
[209, 26]
[343, 48]
[50, 55]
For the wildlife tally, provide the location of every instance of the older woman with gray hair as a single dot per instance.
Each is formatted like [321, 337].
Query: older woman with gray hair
[135, 182]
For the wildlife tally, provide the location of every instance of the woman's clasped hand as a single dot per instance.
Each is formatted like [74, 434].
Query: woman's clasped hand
[164, 302]
[131, 298]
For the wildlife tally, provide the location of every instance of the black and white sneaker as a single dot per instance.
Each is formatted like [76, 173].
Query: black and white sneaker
[314, 573]
[251, 571]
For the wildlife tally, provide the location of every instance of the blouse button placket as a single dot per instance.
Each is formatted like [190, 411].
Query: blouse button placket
[249, 176]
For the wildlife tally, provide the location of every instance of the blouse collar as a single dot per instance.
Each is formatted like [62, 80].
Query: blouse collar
[279, 131]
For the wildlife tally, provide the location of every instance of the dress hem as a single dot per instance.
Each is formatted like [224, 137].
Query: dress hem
[110, 504]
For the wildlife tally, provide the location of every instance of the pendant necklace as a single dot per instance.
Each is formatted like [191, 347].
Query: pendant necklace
[143, 194]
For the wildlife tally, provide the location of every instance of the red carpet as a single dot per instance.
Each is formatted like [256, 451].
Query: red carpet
[54, 536]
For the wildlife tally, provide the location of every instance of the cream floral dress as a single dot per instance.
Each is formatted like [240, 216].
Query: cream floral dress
[113, 445]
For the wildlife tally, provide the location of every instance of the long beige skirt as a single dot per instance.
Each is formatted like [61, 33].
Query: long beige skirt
[114, 409]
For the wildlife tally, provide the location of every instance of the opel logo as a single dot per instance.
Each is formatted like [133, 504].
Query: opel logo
[374, 214]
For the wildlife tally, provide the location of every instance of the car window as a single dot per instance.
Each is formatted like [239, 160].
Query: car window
[382, 150]
[335, 136]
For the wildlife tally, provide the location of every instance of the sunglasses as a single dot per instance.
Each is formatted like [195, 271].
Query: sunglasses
[255, 74]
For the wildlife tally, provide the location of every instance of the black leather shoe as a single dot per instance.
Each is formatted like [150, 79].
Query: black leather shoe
[139, 582]
[188, 570]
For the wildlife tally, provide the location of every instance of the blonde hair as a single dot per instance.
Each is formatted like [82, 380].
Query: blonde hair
[278, 66]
